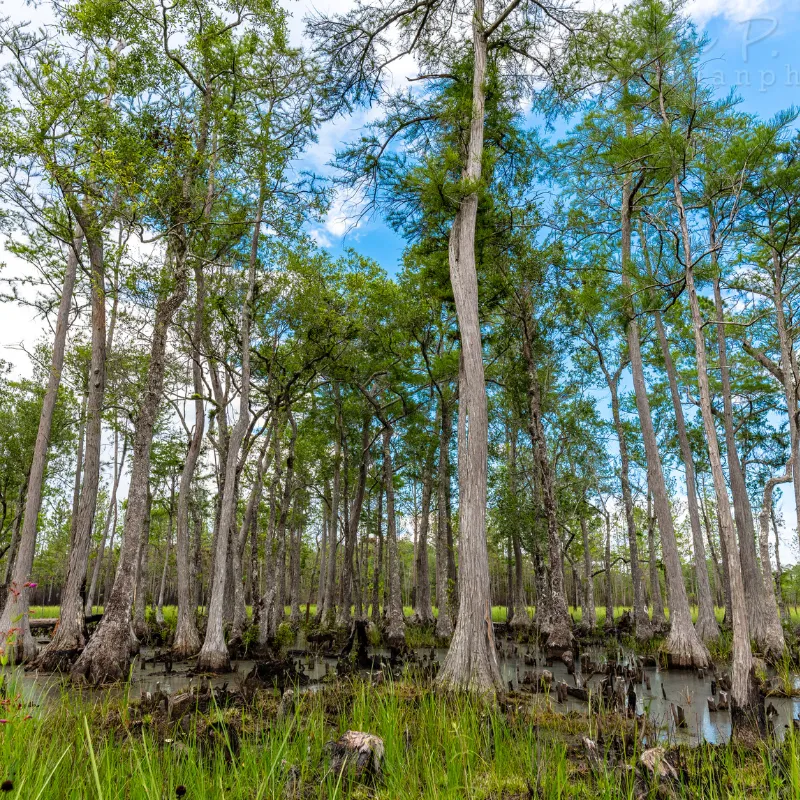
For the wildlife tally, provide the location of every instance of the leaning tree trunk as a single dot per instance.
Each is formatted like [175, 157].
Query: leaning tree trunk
[14, 620]
[214, 656]
[763, 626]
[444, 621]
[395, 621]
[683, 645]
[744, 697]
[70, 634]
[706, 625]
[471, 661]
[106, 656]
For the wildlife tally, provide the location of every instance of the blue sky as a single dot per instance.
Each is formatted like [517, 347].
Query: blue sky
[752, 49]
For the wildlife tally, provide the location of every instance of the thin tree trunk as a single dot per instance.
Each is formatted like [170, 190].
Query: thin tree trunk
[763, 626]
[607, 569]
[395, 621]
[588, 612]
[444, 620]
[240, 607]
[351, 534]
[423, 612]
[764, 516]
[15, 612]
[294, 571]
[743, 698]
[272, 603]
[328, 606]
[111, 516]
[557, 623]
[518, 619]
[214, 656]
[706, 625]
[378, 561]
[683, 644]
[163, 586]
[187, 638]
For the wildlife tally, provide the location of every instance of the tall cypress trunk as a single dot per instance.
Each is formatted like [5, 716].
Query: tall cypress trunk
[744, 699]
[328, 606]
[187, 638]
[471, 661]
[214, 656]
[659, 618]
[766, 509]
[139, 621]
[788, 373]
[106, 655]
[15, 611]
[640, 619]
[763, 625]
[706, 625]
[683, 644]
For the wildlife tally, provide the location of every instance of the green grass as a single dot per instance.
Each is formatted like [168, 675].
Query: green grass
[436, 747]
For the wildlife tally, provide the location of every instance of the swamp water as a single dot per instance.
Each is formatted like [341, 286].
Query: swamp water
[666, 687]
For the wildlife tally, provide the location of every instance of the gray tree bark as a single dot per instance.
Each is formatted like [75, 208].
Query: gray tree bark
[214, 656]
[706, 625]
[683, 644]
[471, 661]
[106, 656]
[15, 611]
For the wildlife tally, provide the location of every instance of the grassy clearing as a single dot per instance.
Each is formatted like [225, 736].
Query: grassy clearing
[436, 747]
